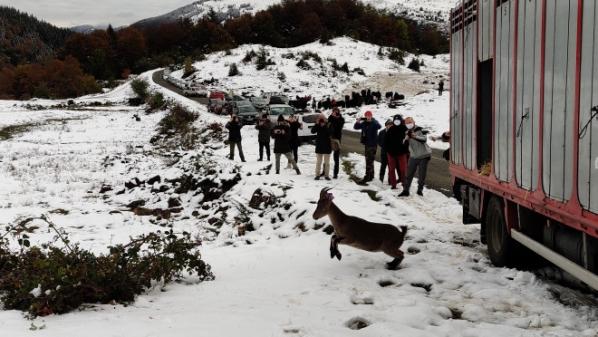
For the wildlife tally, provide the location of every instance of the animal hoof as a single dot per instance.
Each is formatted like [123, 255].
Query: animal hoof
[338, 255]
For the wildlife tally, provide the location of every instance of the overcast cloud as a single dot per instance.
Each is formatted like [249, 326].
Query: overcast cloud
[68, 13]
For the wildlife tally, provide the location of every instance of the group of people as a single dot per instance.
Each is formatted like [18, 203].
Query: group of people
[403, 144]
[404, 151]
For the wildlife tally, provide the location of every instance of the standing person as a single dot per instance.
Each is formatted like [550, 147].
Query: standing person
[421, 154]
[295, 125]
[369, 137]
[323, 147]
[440, 87]
[282, 135]
[397, 151]
[337, 123]
[264, 127]
[383, 153]
[234, 137]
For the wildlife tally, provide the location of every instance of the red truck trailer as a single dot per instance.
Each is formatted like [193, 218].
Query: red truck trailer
[524, 128]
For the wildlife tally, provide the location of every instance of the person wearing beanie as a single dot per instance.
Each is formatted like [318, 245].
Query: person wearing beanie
[337, 123]
[295, 125]
[421, 153]
[397, 151]
[369, 138]
[323, 146]
[381, 143]
[234, 137]
[264, 127]
[282, 136]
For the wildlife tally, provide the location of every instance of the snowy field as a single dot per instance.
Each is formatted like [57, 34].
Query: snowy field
[278, 280]
[321, 80]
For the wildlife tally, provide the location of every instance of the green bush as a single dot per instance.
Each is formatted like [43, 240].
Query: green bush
[414, 65]
[178, 120]
[233, 70]
[140, 88]
[397, 55]
[51, 280]
[156, 101]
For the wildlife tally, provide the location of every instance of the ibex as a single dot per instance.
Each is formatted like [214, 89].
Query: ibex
[358, 233]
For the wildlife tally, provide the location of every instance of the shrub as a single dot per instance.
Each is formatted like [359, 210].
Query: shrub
[345, 68]
[177, 120]
[262, 60]
[156, 101]
[189, 68]
[249, 56]
[281, 76]
[302, 64]
[52, 280]
[306, 55]
[414, 65]
[233, 70]
[140, 88]
[397, 55]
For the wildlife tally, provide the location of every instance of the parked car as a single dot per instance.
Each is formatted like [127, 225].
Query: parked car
[247, 113]
[217, 95]
[308, 120]
[259, 103]
[195, 91]
[279, 99]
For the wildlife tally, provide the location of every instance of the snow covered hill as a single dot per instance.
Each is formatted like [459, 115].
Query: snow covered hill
[274, 280]
[312, 70]
[435, 11]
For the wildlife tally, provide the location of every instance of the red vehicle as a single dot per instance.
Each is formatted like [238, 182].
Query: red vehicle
[217, 95]
[524, 128]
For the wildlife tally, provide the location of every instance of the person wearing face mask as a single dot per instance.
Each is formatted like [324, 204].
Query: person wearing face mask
[369, 138]
[264, 127]
[322, 130]
[397, 151]
[295, 125]
[282, 135]
[383, 153]
[234, 137]
[337, 122]
[421, 153]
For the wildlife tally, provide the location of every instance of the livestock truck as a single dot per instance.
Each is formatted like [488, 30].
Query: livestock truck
[524, 128]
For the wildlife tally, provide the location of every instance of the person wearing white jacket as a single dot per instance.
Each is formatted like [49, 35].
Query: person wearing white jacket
[420, 155]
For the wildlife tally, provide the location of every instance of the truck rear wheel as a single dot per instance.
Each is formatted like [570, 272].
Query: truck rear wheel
[501, 246]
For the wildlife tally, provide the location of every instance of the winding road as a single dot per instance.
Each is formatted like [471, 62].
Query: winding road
[438, 174]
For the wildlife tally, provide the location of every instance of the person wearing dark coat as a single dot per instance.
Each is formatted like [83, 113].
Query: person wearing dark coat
[282, 136]
[383, 157]
[295, 125]
[440, 87]
[322, 130]
[397, 149]
[337, 123]
[264, 127]
[234, 137]
[369, 138]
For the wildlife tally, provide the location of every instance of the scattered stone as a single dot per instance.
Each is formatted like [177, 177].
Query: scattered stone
[386, 283]
[413, 250]
[105, 188]
[136, 203]
[357, 323]
[260, 198]
[60, 211]
[426, 286]
[121, 192]
[153, 180]
[174, 202]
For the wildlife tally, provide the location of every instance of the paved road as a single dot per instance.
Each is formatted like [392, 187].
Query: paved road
[438, 173]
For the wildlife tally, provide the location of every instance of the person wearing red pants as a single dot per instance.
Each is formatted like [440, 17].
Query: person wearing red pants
[397, 150]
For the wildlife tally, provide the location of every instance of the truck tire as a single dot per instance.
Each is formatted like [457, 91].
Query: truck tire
[501, 247]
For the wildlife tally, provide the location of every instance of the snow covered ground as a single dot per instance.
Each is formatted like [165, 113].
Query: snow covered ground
[279, 279]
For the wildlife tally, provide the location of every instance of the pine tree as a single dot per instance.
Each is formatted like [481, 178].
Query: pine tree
[233, 70]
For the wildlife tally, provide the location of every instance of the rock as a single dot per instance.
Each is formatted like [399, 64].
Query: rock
[121, 192]
[153, 180]
[136, 204]
[105, 188]
[174, 202]
[260, 197]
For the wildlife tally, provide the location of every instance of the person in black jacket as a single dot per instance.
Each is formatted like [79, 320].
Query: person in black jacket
[282, 135]
[295, 125]
[264, 127]
[369, 138]
[397, 151]
[234, 137]
[337, 123]
[383, 157]
[323, 147]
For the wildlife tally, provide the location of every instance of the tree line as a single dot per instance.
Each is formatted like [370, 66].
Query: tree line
[113, 54]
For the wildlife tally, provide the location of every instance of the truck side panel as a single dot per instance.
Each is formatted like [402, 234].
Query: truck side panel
[486, 24]
[470, 95]
[503, 117]
[559, 96]
[456, 98]
[527, 116]
[588, 154]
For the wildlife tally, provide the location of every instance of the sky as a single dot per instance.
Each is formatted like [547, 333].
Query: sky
[68, 13]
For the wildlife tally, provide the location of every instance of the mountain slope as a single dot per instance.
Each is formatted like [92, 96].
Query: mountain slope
[24, 38]
[435, 11]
